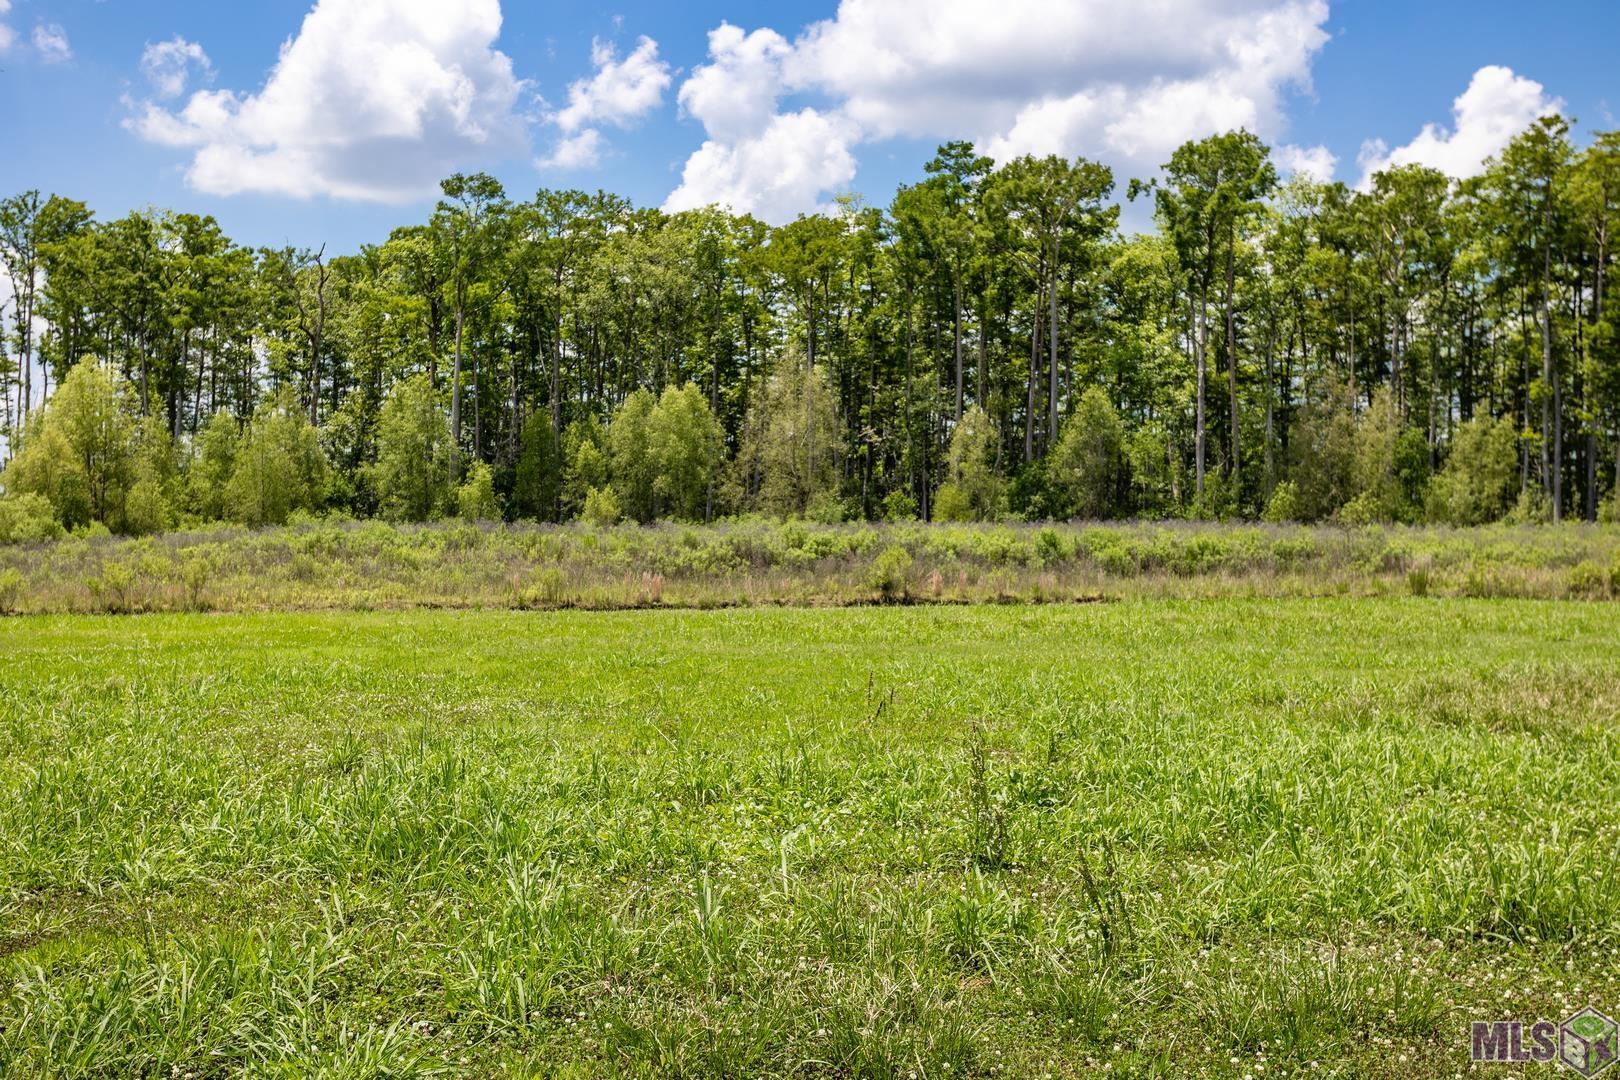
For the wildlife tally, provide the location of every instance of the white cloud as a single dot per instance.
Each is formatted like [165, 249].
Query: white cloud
[781, 171]
[373, 100]
[735, 95]
[8, 36]
[582, 150]
[1317, 162]
[1125, 83]
[51, 42]
[621, 93]
[168, 65]
[1496, 106]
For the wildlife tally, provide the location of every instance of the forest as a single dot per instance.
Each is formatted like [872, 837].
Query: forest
[989, 346]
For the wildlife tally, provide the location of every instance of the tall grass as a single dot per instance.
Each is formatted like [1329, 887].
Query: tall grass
[1165, 839]
[359, 566]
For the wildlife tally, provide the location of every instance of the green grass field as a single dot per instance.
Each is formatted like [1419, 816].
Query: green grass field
[1208, 838]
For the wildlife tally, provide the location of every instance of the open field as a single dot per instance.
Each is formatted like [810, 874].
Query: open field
[338, 565]
[1235, 838]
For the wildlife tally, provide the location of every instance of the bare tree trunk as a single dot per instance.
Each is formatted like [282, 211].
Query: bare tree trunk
[455, 399]
[1231, 353]
[1200, 348]
[1052, 344]
[981, 398]
[1551, 416]
[1271, 393]
[956, 330]
[1034, 373]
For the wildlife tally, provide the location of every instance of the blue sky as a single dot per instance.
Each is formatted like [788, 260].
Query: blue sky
[185, 104]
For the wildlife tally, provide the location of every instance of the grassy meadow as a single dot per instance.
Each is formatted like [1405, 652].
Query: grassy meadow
[349, 565]
[1243, 837]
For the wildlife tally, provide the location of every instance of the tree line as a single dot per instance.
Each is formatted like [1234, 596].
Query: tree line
[990, 344]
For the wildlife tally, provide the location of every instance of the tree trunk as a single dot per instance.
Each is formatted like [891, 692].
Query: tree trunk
[1236, 472]
[1052, 344]
[1551, 415]
[1034, 374]
[956, 330]
[1200, 347]
[455, 399]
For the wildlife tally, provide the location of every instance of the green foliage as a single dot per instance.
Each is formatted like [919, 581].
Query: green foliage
[631, 462]
[585, 463]
[1283, 506]
[412, 473]
[963, 340]
[594, 828]
[279, 466]
[28, 518]
[1479, 479]
[213, 461]
[974, 490]
[890, 572]
[796, 440]
[79, 451]
[601, 508]
[952, 503]
[686, 444]
[1087, 467]
[475, 498]
[537, 482]
[1380, 493]
[898, 505]
[1323, 451]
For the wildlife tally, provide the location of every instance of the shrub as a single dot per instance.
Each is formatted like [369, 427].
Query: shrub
[898, 505]
[890, 572]
[1087, 467]
[1382, 466]
[213, 461]
[476, 499]
[792, 440]
[585, 463]
[1322, 451]
[976, 487]
[601, 508]
[1283, 506]
[279, 466]
[1476, 483]
[630, 457]
[27, 518]
[951, 503]
[10, 590]
[78, 452]
[1586, 578]
[412, 473]
[687, 446]
[537, 481]
[196, 570]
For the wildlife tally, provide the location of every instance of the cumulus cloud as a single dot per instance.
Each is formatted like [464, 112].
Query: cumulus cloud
[620, 93]
[372, 100]
[1497, 105]
[1125, 83]
[8, 36]
[1317, 162]
[734, 96]
[775, 173]
[51, 42]
[168, 65]
[582, 150]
